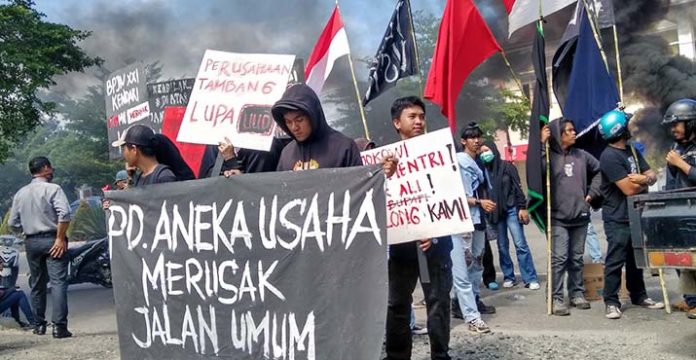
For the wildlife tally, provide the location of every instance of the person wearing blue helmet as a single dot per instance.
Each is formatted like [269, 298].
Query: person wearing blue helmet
[624, 173]
[681, 173]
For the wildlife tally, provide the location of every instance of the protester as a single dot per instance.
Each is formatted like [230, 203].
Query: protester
[510, 214]
[154, 155]
[468, 249]
[572, 171]
[408, 117]
[15, 300]
[681, 173]
[315, 144]
[41, 211]
[624, 173]
[121, 180]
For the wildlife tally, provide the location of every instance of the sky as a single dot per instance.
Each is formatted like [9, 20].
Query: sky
[178, 32]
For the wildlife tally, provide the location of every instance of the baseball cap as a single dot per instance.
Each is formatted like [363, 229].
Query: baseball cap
[136, 135]
[120, 176]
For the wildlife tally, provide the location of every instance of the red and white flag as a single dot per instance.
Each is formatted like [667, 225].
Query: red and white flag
[332, 44]
[523, 12]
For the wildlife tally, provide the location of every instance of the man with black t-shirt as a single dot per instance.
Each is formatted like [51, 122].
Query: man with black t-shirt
[624, 173]
[138, 147]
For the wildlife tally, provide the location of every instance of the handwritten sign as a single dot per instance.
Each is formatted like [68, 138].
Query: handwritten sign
[425, 197]
[126, 102]
[260, 266]
[167, 93]
[232, 97]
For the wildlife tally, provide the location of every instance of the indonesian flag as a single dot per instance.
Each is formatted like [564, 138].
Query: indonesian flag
[332, 44]
[523, 12]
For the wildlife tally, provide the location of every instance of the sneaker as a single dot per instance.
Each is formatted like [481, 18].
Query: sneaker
[417, 330]
[612, 312]
[484, 309]
[580, 303]
[649, 303]
[493, 286]
[534, 285]
[560, 308]
[478, 326]
[508, 284]
[691, 314]
[419, 304]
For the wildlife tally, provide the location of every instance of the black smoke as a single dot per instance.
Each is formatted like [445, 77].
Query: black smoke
[653, 74]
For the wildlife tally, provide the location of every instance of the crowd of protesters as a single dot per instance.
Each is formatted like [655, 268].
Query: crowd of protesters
[460, 265]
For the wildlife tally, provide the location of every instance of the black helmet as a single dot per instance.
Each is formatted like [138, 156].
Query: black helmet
[680, 110]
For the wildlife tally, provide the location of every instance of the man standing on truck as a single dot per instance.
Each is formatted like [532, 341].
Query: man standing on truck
[681, 173]
[624, 173]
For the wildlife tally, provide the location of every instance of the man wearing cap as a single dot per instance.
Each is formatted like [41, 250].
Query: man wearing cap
[138, 147]
[41, 211]
[315, 144]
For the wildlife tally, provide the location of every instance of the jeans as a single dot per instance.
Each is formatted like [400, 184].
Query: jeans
[403, 275]
[567, 250]
[690, 300]
[17, 300]
[467, 267]
[45, 268]
[620, 252]
[592, 244]
[524, 256]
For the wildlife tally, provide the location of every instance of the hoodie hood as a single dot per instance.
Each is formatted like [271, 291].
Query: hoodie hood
[555, 139]
[301, 97]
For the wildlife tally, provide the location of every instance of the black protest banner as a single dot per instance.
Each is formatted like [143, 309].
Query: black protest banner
[126, 102]
[167, 93]
[272, 266]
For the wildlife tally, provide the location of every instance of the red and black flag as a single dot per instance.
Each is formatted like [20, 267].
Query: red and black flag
[539, 118]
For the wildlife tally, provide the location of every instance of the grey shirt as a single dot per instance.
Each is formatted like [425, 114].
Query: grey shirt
[39, 207]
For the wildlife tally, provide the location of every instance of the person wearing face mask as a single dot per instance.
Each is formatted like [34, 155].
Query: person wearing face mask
[41, 211]
[509, 215]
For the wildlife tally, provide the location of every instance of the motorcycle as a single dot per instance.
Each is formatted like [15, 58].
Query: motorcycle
[88, 263]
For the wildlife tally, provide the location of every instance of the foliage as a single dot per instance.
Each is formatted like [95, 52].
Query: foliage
[5, 225]
[88, 223]
[508, 111]
[33, 51]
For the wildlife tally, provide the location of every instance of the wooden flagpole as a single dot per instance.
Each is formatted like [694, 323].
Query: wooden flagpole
[357, 91]
[514, 75]
[618, 61]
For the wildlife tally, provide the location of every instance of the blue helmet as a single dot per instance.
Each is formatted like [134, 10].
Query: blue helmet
[613, 125]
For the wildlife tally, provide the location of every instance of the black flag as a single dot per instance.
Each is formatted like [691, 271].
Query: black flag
[539, 118]
[396, 57]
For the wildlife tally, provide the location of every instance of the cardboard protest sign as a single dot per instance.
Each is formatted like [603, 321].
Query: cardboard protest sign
[425, 197]
[259, 266]
[126, 102]
[167, 93]
[232, 97]
[192, 153]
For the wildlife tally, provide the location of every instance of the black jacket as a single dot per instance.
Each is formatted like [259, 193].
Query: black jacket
[676, 179]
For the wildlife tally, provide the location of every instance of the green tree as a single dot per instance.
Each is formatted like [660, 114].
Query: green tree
[33, 51]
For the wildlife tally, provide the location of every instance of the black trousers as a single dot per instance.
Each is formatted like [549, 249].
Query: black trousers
[45, 268]
[488, 266]
[620, 253]
[403, 275]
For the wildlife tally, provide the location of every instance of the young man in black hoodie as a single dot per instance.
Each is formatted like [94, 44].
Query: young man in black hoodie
[572, 172]
[315, 144]
[408, 117]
